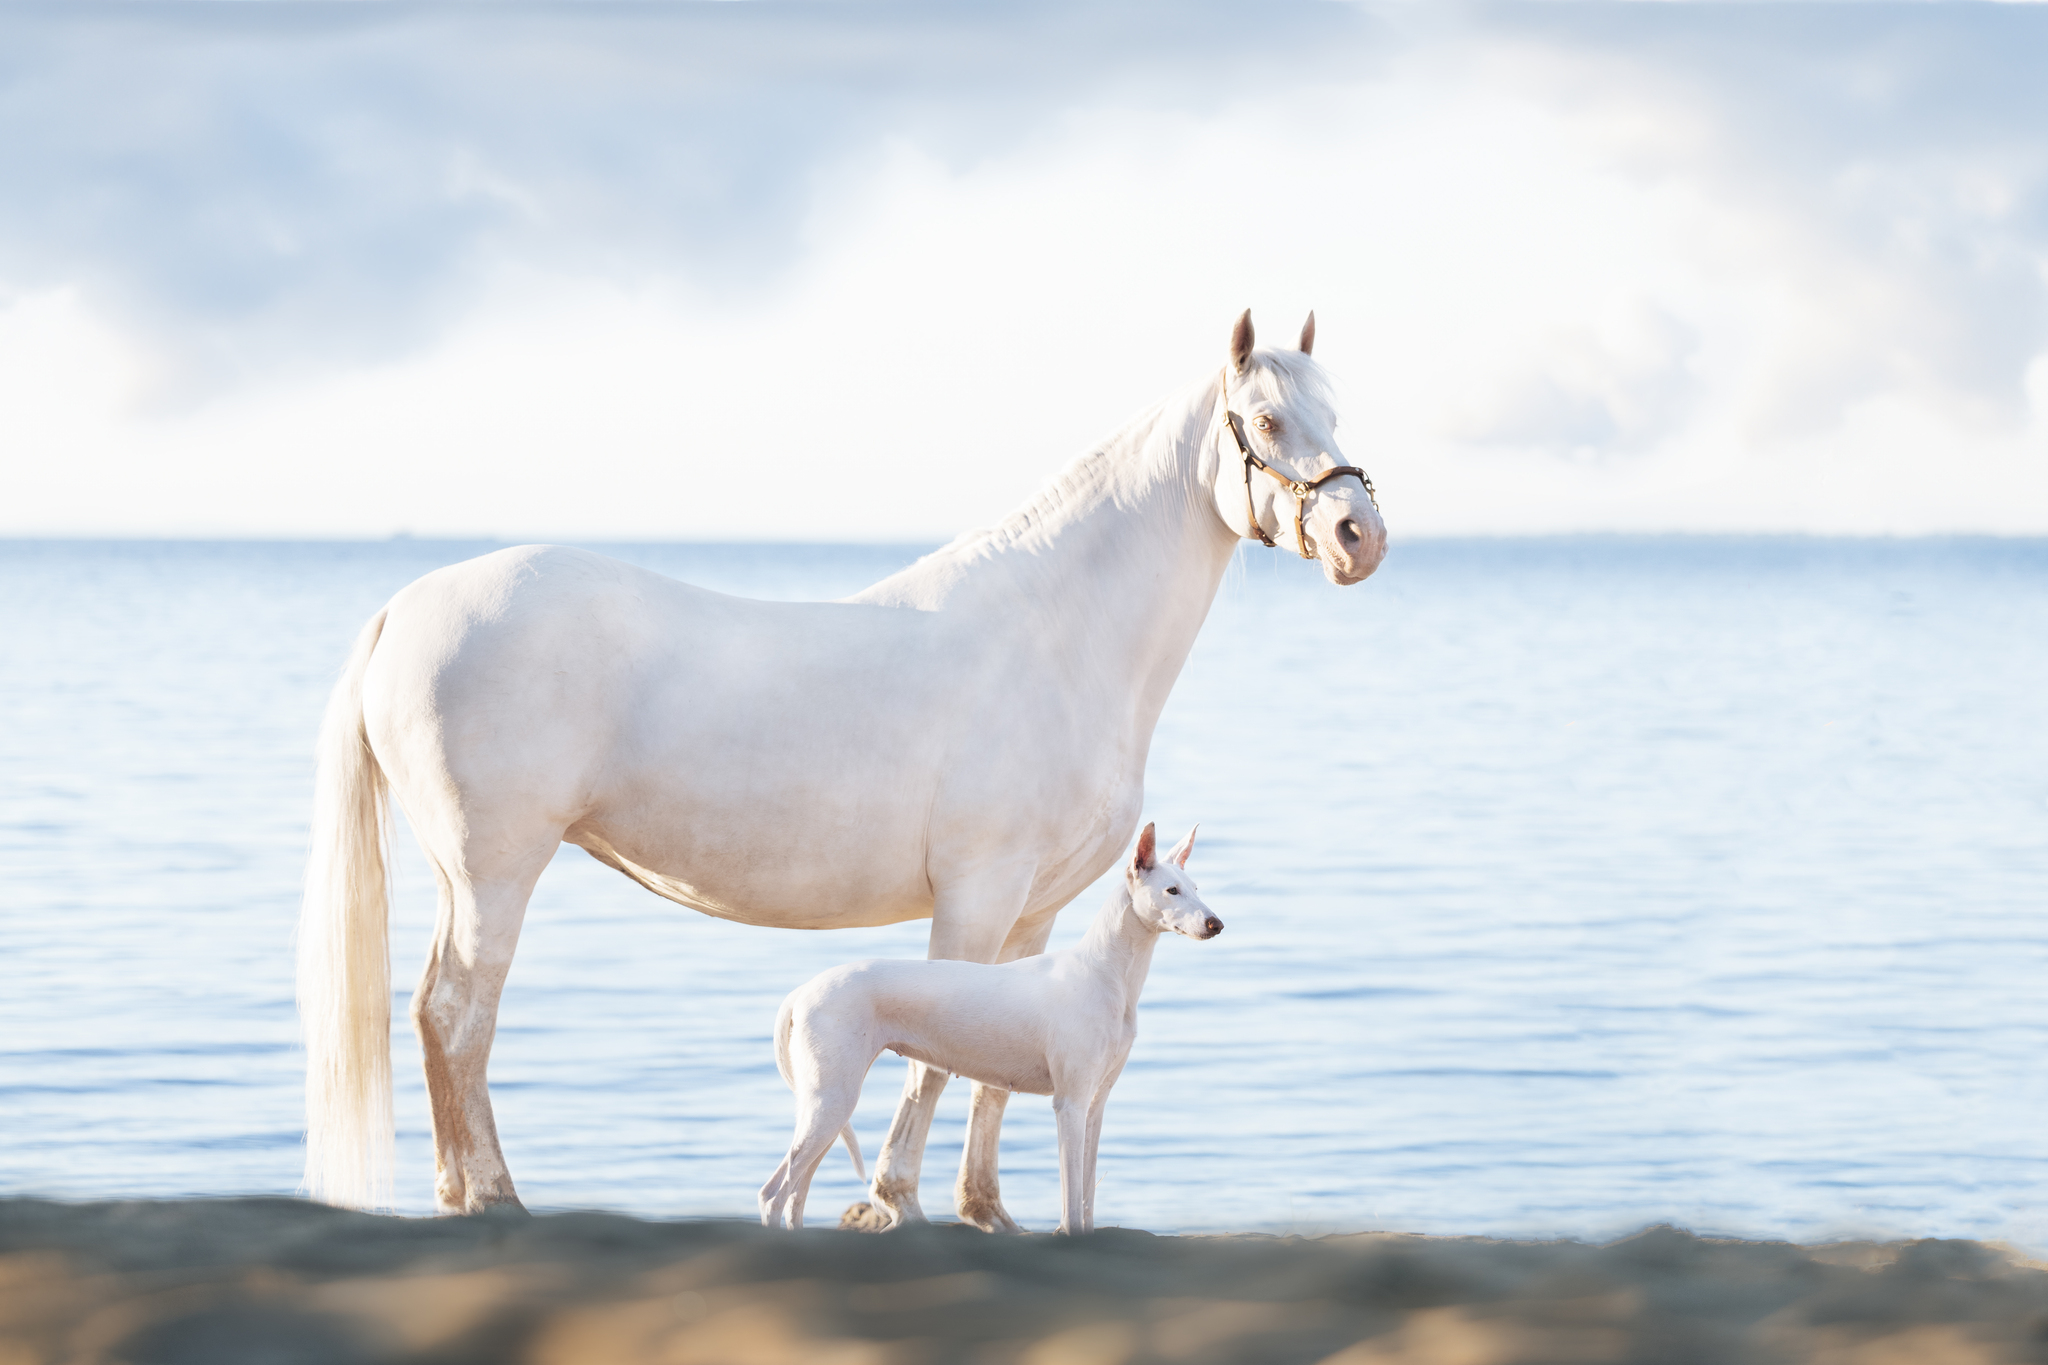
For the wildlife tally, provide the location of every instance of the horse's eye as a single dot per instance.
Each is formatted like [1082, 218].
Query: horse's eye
[1173, 891]
[1263, 423]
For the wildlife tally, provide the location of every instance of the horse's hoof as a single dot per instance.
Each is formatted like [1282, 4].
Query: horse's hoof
[865, 1217]
[989, 1217]
[896, 1203]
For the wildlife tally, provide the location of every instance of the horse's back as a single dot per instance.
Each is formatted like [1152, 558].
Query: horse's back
[550, 629]
[508, 663]
[533, 597]
[814, 764]
[680, 731]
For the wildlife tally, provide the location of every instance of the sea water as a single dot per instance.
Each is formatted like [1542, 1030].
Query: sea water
[1571, 885]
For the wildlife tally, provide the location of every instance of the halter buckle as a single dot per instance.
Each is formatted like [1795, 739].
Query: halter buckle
[1301, 490]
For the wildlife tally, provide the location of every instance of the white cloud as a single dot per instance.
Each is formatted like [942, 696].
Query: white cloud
[1572, 277]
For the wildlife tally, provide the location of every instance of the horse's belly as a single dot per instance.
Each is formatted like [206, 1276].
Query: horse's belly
[768, 870]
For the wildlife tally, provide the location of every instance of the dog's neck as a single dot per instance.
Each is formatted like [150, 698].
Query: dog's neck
[1120, 944]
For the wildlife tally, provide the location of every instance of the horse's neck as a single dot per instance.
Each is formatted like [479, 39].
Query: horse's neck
[1119, 946]
[1112, 566]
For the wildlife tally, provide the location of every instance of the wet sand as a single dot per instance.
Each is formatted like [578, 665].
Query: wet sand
[282, 1282]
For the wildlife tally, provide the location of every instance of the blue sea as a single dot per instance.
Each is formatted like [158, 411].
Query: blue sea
[1572, 885]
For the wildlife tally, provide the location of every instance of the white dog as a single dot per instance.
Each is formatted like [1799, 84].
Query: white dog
[1059, 1024]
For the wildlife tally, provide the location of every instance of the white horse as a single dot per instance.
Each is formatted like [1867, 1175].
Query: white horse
[965, 740]
[1058, 1024]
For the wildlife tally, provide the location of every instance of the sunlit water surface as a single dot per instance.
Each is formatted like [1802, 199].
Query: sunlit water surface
[1571, 885]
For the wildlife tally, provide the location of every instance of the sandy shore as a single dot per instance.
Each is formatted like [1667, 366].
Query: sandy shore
[229, 1282]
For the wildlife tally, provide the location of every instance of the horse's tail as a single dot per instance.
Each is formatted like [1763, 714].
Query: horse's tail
[345, 957]
[785, 1023]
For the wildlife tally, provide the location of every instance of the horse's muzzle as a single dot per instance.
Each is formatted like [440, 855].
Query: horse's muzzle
[1357, 548]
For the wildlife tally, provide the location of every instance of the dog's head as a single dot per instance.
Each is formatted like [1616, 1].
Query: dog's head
[1162, 892]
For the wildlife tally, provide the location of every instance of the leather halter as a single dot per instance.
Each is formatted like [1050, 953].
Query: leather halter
[1301, 488]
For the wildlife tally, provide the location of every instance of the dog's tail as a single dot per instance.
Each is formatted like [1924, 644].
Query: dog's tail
[853, 1150]
[785, 1020]
[785, 1024]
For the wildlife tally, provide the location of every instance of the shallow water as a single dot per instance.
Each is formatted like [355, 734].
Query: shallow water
[1571, 884]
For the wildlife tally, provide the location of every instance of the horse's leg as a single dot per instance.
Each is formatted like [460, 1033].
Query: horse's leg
[969, 923]
[455, 1011]
[979, 1193]
[894, 1188]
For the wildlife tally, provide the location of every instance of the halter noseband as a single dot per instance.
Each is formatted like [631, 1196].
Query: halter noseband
[1301, 488]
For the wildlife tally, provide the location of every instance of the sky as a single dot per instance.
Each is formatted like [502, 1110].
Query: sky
[843, 271]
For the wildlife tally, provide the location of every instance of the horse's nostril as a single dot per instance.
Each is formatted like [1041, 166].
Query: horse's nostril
[1347, 531]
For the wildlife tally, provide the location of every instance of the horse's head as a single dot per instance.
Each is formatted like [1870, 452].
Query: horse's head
[1163, 895]
[1275, 479]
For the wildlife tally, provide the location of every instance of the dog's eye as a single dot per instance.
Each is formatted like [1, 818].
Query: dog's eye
[1173, 891]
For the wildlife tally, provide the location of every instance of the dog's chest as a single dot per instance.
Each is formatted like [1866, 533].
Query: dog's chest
[1024, 1074]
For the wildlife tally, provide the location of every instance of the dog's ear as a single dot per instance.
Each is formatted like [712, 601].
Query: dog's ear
[1145, 859]
[1179, 856]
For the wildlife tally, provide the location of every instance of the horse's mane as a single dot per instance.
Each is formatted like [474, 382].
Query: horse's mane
[1276, 376]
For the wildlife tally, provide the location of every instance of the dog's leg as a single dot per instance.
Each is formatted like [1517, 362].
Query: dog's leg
[826, 1059]
[772, 1193]
[1070, 1118]
[1094, 1141]
[817, 1131]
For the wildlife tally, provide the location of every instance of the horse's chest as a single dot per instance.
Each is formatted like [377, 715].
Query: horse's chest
[1061, 805]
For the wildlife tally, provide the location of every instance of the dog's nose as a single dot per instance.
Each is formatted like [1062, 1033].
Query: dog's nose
[1212, 927]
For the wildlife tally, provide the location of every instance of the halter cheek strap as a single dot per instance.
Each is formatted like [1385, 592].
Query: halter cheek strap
[1301, 488]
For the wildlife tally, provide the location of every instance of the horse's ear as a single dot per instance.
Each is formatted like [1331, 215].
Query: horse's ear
[1308, 333]
[1241, 342]
[1186, 846]
[1146, 858]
